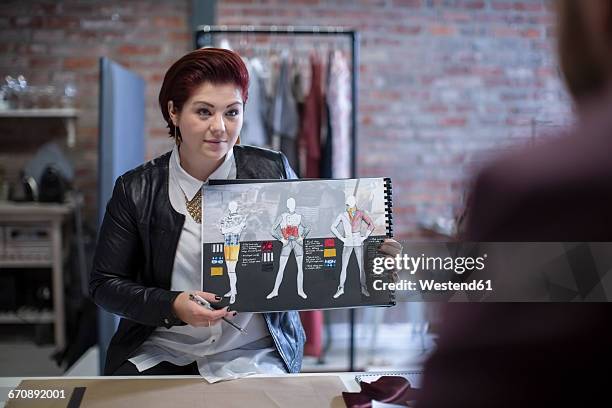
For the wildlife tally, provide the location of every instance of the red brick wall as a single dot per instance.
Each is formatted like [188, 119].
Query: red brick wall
[53, 41]
[441, 80]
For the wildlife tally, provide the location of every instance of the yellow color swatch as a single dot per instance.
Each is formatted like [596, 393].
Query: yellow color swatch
[329, 252]
[216, 271]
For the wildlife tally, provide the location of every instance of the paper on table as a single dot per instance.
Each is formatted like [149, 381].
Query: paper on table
[289, 391]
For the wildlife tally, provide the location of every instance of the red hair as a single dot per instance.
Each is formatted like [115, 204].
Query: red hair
[214, 65]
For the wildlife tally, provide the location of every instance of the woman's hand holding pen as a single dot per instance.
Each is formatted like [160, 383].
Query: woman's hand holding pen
[196, 315]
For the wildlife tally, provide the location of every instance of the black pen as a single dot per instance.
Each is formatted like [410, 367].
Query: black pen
[202, 302]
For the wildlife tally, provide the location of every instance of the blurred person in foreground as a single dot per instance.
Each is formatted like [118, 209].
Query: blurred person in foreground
[517, 355]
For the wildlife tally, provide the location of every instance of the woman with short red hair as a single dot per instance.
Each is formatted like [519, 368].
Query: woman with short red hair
[147, 259]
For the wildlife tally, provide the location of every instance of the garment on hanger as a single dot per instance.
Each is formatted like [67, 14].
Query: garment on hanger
[326, 129]
[312, 117]
[225, 44]
[254, 130]
[285, 119]
[297, 85]
[339, 102]
[312, 321]
[297, 89]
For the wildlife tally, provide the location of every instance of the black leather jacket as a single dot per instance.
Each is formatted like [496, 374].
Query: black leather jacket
[134, 257]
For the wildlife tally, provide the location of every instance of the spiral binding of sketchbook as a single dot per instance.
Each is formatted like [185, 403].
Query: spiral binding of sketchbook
[389, 223]
[389, 206]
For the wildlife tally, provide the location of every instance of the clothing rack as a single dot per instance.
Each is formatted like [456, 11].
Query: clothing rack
[204, 36]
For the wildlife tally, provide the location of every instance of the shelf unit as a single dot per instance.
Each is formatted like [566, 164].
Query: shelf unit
[50, 217]
[25, 263]
[69, 115]
[41, 317]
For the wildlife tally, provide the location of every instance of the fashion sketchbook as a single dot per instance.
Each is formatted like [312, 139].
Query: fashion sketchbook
[275, 245]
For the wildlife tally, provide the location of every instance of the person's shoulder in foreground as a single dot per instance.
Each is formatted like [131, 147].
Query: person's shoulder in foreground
[531, 354]
[560, 190]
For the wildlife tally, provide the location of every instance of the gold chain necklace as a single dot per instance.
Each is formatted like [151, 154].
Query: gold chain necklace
[194, 206]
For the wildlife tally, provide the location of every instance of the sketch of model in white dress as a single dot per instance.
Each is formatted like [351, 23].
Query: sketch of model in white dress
[290, 230]
[231, 228]
[352, 220]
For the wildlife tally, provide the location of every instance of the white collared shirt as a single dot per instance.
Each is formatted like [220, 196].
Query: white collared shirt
[220, 351]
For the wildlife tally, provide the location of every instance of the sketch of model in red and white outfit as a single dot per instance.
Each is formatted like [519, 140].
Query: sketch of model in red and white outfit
[352, 220]
[290, 230]
[231, 228]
